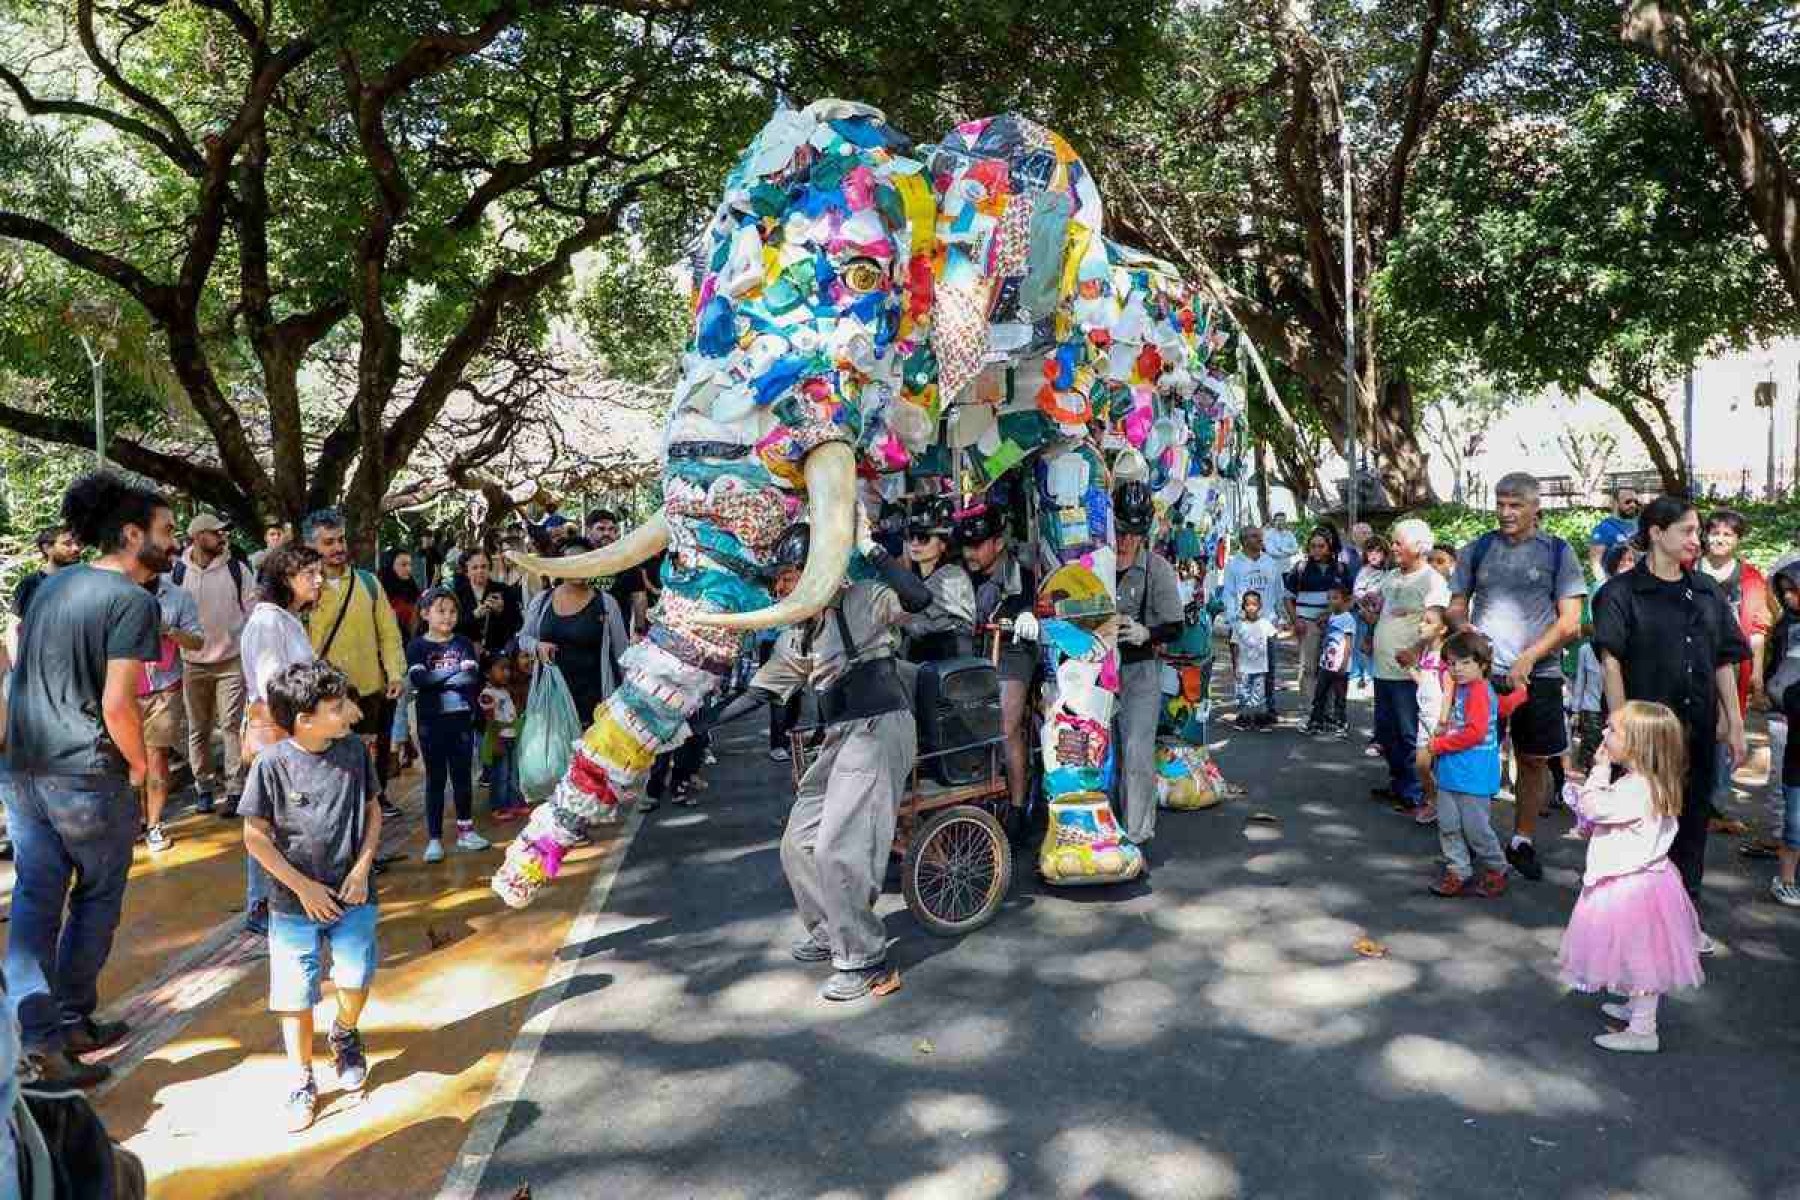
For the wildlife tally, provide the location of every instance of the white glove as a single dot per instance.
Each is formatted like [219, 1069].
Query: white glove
[1131, 632]
[1025, 627]
[865, 532]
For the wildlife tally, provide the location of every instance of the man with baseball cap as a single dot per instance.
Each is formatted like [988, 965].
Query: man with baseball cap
[212, 686]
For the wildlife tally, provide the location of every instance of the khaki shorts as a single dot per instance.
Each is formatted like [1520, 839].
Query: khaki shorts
[164, 719]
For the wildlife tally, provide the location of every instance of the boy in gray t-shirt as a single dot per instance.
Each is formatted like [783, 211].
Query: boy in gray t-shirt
[311, 818]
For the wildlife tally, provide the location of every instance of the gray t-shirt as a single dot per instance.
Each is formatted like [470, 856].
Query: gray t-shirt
[319, 807]
[1514, 600]
[81, 618]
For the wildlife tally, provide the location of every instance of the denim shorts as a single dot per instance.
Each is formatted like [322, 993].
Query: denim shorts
[1790, 817]
[294, 941]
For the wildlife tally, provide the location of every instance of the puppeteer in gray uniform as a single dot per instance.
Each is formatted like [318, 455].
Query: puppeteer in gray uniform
[1150, 616]
[841, 830]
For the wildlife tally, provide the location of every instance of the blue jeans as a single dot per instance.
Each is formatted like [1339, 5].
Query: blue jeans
[505, 789]
[1397, 733]
[448, 746]
[294, 940]
[66, 830]
[1361, 665]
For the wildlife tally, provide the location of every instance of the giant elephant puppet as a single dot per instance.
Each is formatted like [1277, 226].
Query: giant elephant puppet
[845, 287]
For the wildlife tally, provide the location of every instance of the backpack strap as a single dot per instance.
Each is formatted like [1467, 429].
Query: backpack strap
[1484, 543]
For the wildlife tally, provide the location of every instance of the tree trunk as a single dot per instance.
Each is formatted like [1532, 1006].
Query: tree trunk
[1261, 459]
[1665, 458]
[1733, 125]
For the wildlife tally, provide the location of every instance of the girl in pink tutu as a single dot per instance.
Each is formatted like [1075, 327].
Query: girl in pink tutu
[1634, 930]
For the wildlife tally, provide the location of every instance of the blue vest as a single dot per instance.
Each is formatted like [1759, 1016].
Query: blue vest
[1475, 771]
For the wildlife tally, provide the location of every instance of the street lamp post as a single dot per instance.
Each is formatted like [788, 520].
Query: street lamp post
[99, 338]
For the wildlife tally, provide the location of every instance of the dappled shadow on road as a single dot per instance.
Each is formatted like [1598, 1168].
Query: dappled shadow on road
[1212, 1033]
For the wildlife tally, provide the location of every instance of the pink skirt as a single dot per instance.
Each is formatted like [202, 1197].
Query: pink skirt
[1633, 933]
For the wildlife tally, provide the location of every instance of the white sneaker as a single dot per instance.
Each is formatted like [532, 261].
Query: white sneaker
[778, 754]
[157, 841]
[468, 839]
[434, 851]
[1707, 945]
[1785, 893]
[1617, 1012]
[1629, 1042]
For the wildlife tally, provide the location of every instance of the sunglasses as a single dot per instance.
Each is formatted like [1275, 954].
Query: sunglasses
[922, 537]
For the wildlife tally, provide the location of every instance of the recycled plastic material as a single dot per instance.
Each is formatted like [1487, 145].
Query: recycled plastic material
[851, 289]
[1186, 777]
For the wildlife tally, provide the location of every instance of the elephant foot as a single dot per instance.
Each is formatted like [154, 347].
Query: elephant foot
[1084, 845]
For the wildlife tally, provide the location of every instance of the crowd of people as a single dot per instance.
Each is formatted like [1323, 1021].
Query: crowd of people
[1653, 648]
[295, 686]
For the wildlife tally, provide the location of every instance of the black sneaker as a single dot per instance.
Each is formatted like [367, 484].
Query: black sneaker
[302, 1103]
[228, 809]
[389, 810]
[203, 804]
[854, 985]
[88, 1035]
[60, 1069]
[1524, 860]
[347, 1058]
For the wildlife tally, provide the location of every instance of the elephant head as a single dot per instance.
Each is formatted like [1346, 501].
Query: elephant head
[810, 361]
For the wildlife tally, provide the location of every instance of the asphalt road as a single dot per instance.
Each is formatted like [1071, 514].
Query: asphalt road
[1209, 1033]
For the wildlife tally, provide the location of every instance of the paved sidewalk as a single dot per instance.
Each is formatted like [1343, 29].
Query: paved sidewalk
[203, 1078]
[1210, 1033]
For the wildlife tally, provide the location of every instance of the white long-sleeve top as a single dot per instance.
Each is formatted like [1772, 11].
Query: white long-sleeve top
[1261, 575]
[1627, 835]
[273, 638]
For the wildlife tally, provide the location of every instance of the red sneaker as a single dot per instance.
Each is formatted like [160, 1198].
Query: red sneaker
[1449, 884]
[1492, 885]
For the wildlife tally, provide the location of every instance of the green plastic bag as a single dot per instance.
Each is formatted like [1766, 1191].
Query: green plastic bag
[547, 738]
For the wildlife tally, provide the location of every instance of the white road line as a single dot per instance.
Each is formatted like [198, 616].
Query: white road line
[463, 1179]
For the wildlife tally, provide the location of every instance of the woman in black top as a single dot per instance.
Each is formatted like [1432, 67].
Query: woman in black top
[1665, 633]
[579, 628]
[490, 609]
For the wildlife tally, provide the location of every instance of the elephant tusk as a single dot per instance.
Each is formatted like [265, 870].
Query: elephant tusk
[635, 547]
[831, 510]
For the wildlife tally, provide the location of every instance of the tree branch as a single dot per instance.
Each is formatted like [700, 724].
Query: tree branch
[109, 71]
[158, 299]
[1734, 126]
[1413, 127]
[240, 20]
[208, 484]
[34, 106]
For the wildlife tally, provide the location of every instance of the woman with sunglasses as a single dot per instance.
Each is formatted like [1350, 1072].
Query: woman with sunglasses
[947, 628]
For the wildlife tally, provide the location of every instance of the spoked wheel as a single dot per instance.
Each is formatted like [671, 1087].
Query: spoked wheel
[958, 870]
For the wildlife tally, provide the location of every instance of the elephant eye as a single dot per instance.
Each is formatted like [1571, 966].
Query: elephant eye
[862, 275]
